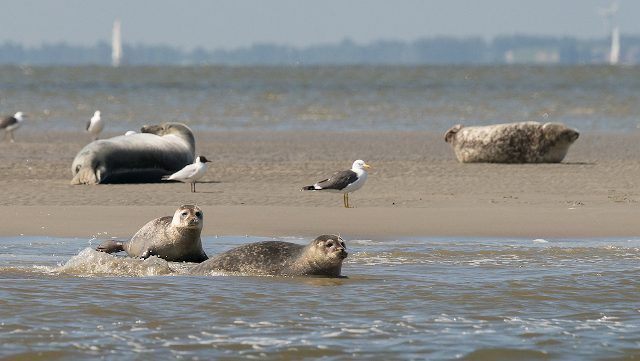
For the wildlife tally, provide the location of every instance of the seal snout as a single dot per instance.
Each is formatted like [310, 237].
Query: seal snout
[193, 221]
[153, 129]
[338, 246]
[571, 135]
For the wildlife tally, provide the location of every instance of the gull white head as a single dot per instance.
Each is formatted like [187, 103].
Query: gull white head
[19, 116]
[96, 114]
[360, 164]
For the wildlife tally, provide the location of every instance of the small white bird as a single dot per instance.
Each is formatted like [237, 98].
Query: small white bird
[10, 123]
[343, 182]
[191, 173]
[95, 125]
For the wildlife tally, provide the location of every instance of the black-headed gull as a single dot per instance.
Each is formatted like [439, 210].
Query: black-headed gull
[191, 173]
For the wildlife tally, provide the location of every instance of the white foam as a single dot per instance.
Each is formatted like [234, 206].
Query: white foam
[92, 263]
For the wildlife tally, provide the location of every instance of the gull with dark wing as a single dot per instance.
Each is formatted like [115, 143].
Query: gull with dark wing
[344, 182]
[11, 122]
[95, 125]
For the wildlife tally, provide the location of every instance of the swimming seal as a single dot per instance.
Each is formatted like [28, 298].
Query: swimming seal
[523, 142]
[322, 257]
[138, 158]
[174, 238]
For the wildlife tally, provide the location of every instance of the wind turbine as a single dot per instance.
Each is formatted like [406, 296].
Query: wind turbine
[614, 55]
[116, 45]
[607, 15]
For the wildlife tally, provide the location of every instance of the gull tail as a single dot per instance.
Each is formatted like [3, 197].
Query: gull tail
[309, 188]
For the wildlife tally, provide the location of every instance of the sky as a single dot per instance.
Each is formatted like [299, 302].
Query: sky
[232, 24]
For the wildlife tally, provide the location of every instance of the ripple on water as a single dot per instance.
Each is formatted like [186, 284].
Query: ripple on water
[405, 299]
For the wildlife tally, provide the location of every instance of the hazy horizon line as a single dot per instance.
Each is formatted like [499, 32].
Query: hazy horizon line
[346, 39]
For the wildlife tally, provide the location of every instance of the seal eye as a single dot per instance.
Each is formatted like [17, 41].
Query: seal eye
[343, 246]
[329, 244]
[184, 214]
[198, 214]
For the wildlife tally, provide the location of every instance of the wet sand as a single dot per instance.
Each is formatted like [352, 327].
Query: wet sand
[416, 187]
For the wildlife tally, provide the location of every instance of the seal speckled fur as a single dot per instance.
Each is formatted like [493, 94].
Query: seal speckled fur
[138, 158]
[523, 142]
[322, 257]
[174, 238]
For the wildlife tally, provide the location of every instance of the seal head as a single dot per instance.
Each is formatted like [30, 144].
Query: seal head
[178, 130]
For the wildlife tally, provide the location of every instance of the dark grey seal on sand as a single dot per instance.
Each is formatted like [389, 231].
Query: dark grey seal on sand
[138, 158]
[174, 238]
[322, 257]
[523, 142]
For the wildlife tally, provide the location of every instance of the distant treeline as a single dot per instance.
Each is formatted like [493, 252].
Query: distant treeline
[438, 50]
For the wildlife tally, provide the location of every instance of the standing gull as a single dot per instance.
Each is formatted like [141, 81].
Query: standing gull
[11, 123]
[191, 173]
[95, 125]
[343, 182]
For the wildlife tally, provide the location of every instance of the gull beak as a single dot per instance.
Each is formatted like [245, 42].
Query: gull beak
[367, 166]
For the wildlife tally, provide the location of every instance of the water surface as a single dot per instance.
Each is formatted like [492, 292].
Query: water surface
[414, 298]
[335, 98]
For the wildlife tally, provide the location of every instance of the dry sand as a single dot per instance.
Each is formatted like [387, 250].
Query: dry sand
[416, 187]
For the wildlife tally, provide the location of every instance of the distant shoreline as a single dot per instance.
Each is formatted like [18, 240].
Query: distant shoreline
[514, 49]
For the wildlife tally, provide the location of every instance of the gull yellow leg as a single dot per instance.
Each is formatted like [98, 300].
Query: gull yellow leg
[346, 200]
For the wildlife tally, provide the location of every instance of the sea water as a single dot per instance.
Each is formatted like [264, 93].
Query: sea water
[410, 298]
[333, 98]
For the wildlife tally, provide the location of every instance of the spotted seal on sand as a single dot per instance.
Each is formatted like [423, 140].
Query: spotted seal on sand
[138, 158]
[322, 257]
[174, 238]
[523, 142]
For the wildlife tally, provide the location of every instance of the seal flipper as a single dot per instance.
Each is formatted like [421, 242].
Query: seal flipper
[111, 246]
[86, 175]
